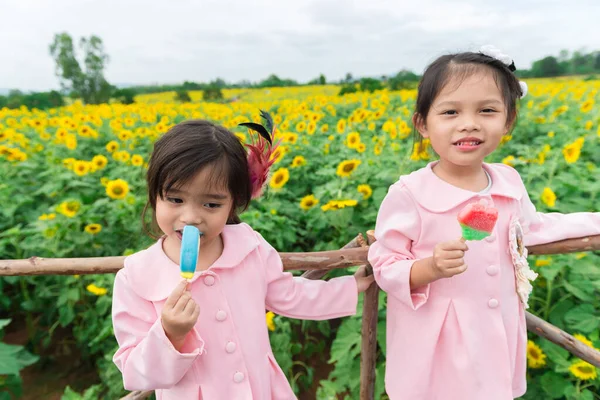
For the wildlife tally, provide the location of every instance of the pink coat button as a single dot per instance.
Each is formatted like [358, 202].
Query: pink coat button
[238, 377]
[221, 315]
[209, 280]
[492, 269]
[493, 303]
[230, 347]
[490, 239]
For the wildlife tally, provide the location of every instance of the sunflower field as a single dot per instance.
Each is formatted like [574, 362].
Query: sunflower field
[73, 185]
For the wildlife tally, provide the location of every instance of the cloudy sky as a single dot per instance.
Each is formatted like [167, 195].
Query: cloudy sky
[159, 41]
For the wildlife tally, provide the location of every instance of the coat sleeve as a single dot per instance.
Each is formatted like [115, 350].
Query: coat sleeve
[145, 356]
[302, 298]
[398, 226]
[540, 228]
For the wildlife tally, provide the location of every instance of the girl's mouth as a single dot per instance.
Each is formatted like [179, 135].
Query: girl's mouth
[468, 144]
[179, 234]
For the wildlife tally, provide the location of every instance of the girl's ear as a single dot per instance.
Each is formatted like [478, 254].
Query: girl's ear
[419, 124]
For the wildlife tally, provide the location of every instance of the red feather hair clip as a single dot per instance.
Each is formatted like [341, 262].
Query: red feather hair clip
[260, 152]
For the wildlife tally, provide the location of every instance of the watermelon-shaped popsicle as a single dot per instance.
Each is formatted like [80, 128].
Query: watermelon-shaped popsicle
[477, 220]
[190, 245]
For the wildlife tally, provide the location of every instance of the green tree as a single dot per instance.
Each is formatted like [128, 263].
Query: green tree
[88, 83]
[547, 66]
[125, 95]
[182, 96]
[403, 80]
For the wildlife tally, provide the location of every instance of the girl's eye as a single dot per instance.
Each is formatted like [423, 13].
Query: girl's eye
[213, 205]
[488, 110]
[450, 112]
[174, 200]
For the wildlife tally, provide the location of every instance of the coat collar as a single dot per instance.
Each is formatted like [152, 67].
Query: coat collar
[153, 276]
[439, 196]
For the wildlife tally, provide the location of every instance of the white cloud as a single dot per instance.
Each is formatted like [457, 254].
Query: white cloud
[166, 42]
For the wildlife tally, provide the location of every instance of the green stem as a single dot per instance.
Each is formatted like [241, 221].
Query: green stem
[548, 300]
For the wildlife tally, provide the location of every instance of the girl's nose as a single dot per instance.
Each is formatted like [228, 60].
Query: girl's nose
[191, 216]
[469, 124]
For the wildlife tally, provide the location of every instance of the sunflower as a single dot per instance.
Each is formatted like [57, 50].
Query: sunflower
[308, 202]
[69, 162]
[311, 128]
[365, 190]
[117, 189]
[112, 146]
[353, 140]
[535, 356]
[137, 160]
[543, 262]
[98, 291]
[291, 138]
[509, 160]
[269, 317]
[587, 106]
[279, 178]
[338, 204]
[61, 133]
[84, 131]
[346, 167]
[301, 126]
[69, 208]
[81, 168]
[572, 152]
[548, 197]
[298, 161]
[124, 135]
[341, 126]
[324, 128]
[100, 161]
[93, 229]
[583, 370]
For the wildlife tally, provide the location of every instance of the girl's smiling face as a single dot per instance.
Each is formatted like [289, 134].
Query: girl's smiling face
[466, 120]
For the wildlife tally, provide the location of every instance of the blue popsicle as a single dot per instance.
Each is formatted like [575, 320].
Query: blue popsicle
[190, 245]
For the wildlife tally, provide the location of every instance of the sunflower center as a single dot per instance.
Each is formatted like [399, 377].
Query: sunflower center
[348, 167]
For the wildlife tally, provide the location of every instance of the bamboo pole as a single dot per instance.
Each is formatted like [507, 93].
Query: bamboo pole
[350, 255]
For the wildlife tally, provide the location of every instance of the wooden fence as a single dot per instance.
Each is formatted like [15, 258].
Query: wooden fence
[316, 265]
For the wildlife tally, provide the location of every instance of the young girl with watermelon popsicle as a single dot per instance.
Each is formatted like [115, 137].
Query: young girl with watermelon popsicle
[456, 299]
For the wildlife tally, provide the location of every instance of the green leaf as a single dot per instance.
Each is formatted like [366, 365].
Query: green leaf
[573, 394]
[9, 363]
[346, 345]
[550, 271]
[558, 312]
[65, 315]
[554, 384]
[555, 353]
[582, 318]
[583, 290]
[4, 322]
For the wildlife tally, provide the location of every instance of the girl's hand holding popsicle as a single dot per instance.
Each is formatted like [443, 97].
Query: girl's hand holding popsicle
[477, 221]
[180, 312]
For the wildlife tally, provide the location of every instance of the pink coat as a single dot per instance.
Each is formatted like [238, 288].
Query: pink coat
[227, 355]
[461, 338]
